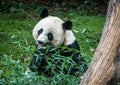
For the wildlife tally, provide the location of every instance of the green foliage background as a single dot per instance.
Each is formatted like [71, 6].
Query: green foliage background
[17, 45]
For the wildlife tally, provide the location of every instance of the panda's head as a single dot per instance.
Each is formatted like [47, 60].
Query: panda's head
[50, 29]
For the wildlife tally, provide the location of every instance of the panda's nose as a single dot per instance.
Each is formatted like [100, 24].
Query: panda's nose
[40, 42]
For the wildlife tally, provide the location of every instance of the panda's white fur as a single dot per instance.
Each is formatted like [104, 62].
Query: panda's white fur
[54, 25]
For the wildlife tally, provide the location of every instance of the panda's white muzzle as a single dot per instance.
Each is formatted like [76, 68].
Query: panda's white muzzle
[42, 39]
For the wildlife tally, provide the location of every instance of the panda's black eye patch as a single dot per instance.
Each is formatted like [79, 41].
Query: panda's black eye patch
[40, 31]
[50, 36]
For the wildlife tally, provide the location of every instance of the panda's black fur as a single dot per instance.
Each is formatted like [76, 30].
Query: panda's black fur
[39, 62]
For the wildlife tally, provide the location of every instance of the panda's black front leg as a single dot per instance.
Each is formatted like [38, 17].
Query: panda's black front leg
[76, 55]
[38, 62]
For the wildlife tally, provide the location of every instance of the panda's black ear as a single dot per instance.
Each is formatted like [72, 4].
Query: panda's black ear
[43, 13]
[67, 25]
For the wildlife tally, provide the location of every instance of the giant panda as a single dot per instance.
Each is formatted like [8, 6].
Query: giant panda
[54, 33]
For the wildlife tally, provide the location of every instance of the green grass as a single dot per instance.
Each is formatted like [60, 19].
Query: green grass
[17, 46]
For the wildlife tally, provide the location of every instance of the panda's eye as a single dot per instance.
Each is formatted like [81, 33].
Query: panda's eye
[40, 31]
[50, 36]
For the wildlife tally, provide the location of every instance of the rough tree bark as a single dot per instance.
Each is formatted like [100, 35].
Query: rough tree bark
[104, 69]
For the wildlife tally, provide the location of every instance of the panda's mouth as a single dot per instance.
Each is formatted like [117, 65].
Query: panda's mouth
[48, 43]
[38, 46]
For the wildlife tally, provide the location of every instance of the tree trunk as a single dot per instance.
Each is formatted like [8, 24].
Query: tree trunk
[104, 69]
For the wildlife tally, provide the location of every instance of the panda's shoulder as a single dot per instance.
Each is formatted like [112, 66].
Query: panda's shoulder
[69, 38]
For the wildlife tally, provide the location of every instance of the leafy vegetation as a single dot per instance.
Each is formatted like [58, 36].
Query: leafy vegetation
[17, 45]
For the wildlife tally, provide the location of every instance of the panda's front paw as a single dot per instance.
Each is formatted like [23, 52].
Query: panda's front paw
[29, 73]
[46, 48]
